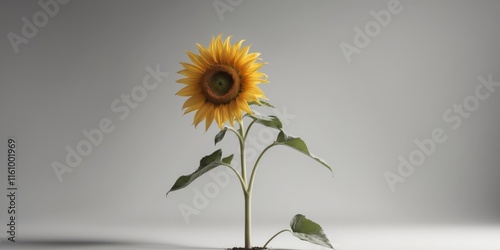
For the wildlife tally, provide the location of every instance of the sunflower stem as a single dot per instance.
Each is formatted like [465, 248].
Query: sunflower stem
[241, 134]
[246, 194]
[248, 218]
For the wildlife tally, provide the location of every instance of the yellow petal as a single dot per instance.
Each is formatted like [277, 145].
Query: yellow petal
[243, 105]
[257, 76]
[194, 101]
[240, 55]
[254, 67]
[250, 57]
[226, 50]
[216, 48]
[200, 115]
[192, 68]
[210, 116]
[233, 107]
[197, 60]
[190, 74]
[189, 90]
[220, 116]
[249, 97]
[189, 81]
[234, 52]
[253, 81]
[214, 42]
[205, 55]
[228, 115]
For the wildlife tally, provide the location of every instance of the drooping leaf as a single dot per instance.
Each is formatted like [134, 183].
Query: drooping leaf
[308, 230]
[266, 120]
[299, 145]
[207, 163]
[220, 135]
[262, 103]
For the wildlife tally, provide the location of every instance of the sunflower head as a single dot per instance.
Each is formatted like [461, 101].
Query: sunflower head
[220, 82]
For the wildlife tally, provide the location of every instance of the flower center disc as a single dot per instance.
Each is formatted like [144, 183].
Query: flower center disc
[220, 84]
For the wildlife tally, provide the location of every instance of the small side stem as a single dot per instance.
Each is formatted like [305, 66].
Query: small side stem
[236, 133]
[274, 236]
[243, 184]
[248, 129]
[254, 170]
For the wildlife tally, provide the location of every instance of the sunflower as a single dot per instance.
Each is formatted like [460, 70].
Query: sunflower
[221, 81]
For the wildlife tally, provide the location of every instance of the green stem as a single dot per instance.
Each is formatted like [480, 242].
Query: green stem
[274, 236]
[243, 184]
[248, 129]
[248, 217]
[246, 194]
[254, 170]
[236, 133]
[241, 138]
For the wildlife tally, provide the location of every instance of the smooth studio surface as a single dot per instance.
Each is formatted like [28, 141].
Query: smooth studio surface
[359, 237]
[401, 98]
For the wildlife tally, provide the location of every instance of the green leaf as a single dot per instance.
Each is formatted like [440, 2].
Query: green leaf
[266, 120]
[262, 103]
[207, 163]
[228, 159]
[298, 144]
[220, 135]
[308, 230]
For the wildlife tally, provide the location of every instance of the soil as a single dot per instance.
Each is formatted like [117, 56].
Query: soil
[242, 248]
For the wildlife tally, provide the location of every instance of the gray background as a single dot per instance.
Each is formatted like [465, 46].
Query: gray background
[358, 116]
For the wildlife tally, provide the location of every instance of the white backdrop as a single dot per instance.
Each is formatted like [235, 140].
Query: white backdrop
[368, 85]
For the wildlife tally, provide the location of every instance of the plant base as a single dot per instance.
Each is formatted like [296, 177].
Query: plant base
[242, 248]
